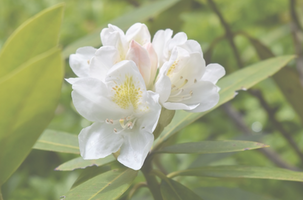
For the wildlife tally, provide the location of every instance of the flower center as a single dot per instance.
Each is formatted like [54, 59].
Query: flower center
[127, 94]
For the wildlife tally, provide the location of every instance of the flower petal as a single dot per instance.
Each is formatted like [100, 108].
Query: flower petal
[179, 39]
[148, 119]
[154, 63]
[114, 36]
[163, 86]
[140, 56]
[179, 106]
[205, 93]
[138, 32]
[91, 99]
[159, 41]
[192, 46]
[213, 73]
[104, 59]
[98, 141]
[135, 148]
[80, 61]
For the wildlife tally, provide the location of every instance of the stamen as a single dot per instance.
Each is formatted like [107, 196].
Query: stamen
[122, 123]
[107, 121]
[115, 130]
[111, 121]
[180, 91]
[87, 61]
[195, 81]
[181, 77]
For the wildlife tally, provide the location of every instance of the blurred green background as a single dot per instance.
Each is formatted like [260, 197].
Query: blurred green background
[269, 21]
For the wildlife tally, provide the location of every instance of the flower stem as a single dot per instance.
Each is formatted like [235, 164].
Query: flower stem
[1, 198]
[151, 180]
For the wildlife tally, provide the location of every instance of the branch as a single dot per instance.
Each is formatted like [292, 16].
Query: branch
[276, 123]
[228, 32]
[236, 117]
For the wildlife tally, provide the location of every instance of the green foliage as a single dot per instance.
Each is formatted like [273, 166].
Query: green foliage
[206, 147]
[58, 141]
[238, 171]
[172, 190]
[108, 185]
[80, 163]
[223, 175]
[31, 78]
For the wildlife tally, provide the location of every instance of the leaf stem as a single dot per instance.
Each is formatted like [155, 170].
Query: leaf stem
[151, 180]
[135, 188]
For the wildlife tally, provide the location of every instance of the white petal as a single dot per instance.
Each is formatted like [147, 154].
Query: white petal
[148, 119]
[140, 56]
[135, 148]
[159, 41]
[72, 80]
[138, 32]
[179, 106]
[163, 86]
[104, 59]
[113, 36]
[80, 61]
[179, 39]
[154, 64]
[98, 141]
[91, 99]
[192, 46]
[122, 69]
[205, 93]
[213, 73]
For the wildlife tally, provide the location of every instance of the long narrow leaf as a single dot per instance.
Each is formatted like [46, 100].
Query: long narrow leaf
[207, 147]
[235, 171]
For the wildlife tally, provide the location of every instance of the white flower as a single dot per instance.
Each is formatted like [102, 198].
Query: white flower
[135, 45]
[183, 81]
[124, 113]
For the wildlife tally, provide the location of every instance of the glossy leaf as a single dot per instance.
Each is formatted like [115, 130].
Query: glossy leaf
[236, 171]
[217, 193]
[207, 147]
[124, 22]
[108, 185]
[29, 97]
[287, 79]
[79, 163]
[240, 80]
[33, 37]
[58, 141]
[176, 191]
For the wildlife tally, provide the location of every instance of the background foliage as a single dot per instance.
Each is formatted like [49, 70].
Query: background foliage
[269, 22]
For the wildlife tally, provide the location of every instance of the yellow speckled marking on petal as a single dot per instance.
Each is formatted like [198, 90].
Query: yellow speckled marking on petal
[127, 94]
[172, 68]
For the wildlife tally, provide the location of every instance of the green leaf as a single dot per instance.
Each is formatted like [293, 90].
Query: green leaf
[57, 141]
[215, 193]
[29, 97]
[206, 147]
[236, 171]
[176, 191]
[141, 14]
[33, 37]
[79, 163]
[287, 79]
[241, 80]
[108, 185]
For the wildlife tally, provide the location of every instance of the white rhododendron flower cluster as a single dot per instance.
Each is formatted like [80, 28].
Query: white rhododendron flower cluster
[119, 90]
